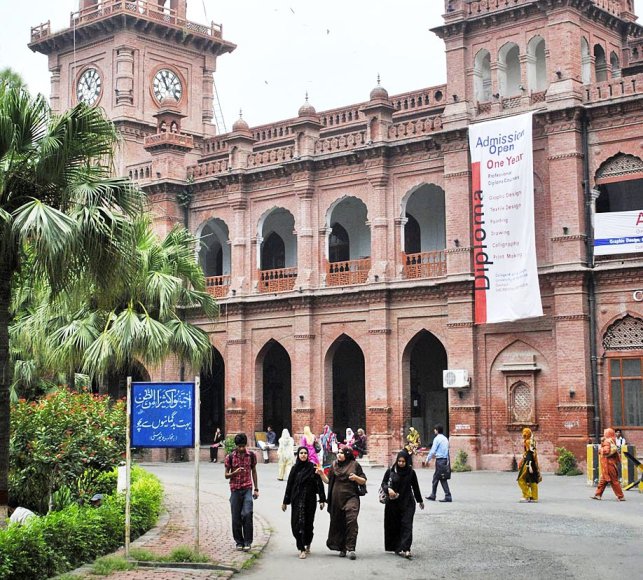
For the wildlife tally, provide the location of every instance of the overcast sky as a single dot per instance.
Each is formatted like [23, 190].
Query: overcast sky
[333, 49]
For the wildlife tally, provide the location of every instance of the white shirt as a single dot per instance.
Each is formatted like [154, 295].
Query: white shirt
[21, 515]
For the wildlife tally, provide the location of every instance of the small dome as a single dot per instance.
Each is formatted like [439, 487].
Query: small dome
[240, 125]
[306, 110]
[379, 92]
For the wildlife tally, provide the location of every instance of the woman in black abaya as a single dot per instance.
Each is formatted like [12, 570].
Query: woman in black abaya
[401, 484]
[303, 487]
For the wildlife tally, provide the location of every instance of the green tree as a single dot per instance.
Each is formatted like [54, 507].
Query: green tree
[104, 332]
[12, 79]
[59, 204]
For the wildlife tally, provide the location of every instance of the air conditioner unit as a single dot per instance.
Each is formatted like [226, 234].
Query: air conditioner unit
[455, 379]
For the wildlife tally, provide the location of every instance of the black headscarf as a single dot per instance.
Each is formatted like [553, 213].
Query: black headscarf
[303, 470]
[344, 468]
[400, 476]
[406, 470]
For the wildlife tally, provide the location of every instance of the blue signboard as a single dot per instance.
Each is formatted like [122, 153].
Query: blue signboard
[162, 414]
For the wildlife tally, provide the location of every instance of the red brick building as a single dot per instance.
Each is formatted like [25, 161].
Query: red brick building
[339, 242]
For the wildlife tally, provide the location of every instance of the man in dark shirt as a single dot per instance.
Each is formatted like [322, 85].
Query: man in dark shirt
[239, 466]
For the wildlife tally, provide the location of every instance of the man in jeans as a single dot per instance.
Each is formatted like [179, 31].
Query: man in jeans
[239, 465]
[439, 449]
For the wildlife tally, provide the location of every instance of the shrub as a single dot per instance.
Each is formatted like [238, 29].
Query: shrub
[64, 440]
[229, 445]
[63, 540]
[460, 464]
[567, 464]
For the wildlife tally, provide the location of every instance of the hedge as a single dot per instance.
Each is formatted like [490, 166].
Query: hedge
[61, 541]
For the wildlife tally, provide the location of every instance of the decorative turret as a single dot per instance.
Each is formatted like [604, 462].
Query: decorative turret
[307, 128]
[379, 112]
[240, 142]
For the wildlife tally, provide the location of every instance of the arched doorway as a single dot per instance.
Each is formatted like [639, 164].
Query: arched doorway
[426, 359]
[212, 398]
[277, 405]
[349, 393]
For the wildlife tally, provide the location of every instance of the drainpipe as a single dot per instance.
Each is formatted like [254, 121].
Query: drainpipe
[590, 199]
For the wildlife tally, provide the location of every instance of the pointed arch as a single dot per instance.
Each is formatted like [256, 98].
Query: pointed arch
[213, 398]
[426, 402]
[345, 367]
[274, 369]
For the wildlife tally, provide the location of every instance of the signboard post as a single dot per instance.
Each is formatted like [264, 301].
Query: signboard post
[162, 415]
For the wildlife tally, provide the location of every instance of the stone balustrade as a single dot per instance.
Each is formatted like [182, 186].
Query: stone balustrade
[277, 280]
[348, 272]
[425, 264]
[217, 286]
[614, 88]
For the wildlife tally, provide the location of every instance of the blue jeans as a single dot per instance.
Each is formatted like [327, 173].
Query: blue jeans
[241, 507]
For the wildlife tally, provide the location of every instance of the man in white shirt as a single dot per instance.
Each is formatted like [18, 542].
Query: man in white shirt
[440, 449]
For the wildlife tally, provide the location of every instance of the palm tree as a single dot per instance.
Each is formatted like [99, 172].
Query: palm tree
[57, 200]
[105, 332]
[10, 77]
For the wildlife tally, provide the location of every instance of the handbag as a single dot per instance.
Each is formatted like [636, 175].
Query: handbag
[445, 473]
[382, 495]
[317, 446]
[361, 489]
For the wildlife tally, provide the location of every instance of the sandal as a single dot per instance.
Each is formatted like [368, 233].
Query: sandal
[302, 555]
[408, 555]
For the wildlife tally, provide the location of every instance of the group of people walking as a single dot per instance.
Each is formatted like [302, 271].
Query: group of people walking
[346, 480]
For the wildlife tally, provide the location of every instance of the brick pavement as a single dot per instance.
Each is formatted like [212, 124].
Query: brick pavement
[175, 528]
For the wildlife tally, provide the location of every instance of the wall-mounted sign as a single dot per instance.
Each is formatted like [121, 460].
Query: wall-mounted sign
[162, 415]
[618, 232]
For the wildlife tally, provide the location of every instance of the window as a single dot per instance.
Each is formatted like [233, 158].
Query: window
[626, 384]
[273, 253]
[338, 245]
[521, 403]
[620, 183]
[482, 76]
[412, 236]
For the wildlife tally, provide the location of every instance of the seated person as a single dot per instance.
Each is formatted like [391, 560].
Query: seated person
[269, 443]
[96, 500]
[360, 443]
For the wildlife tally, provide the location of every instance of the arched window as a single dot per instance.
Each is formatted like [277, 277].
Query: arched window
[482, 76]
[536, 64]
[412, 236]
[273, 253]
[338, 244]
[615, 64]
[586, 62]
[600, 63]
[620, 181]
[509, 70]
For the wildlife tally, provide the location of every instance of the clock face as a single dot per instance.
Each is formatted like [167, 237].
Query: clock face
[167, 85]
[89, 85]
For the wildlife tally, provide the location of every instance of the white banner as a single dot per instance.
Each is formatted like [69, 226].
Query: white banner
[504, 242]
[619, 232]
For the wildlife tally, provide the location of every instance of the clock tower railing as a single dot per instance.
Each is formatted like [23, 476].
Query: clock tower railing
[144, 9]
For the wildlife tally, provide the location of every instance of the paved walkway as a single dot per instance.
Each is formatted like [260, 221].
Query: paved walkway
[486, 533]
[175, 529]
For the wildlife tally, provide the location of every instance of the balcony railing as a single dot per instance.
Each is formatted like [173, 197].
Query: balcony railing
[425, 264]
[278, 280]
[347, 273]
[217, 286]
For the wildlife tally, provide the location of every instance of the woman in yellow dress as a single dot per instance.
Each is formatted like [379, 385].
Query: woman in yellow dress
[528, 471]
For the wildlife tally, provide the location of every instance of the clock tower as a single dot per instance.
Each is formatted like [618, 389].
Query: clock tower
[137, 59]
